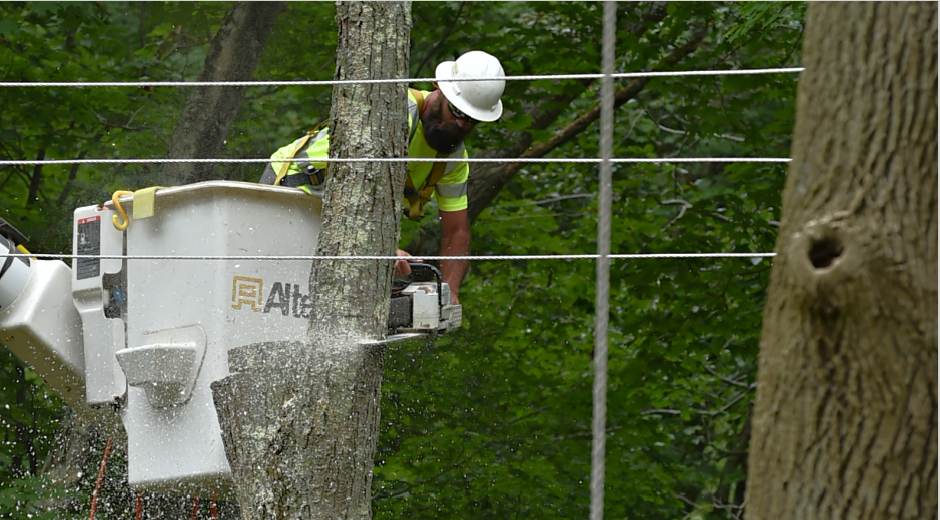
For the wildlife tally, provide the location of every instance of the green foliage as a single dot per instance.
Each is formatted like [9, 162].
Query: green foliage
[25, 499]
[81, 41]
[492, 421]
[500, 422]
[29, 415]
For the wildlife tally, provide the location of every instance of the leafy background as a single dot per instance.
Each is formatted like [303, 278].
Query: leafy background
[493, 421]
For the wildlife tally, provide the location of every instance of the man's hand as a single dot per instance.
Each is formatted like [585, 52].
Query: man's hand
[401, 266]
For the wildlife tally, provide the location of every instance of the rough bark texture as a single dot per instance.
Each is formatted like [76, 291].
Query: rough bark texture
[299, 423]
[361, 202]
[845, 419]
[233, 55]
[300, 420]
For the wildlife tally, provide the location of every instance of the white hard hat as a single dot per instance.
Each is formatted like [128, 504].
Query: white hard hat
[477, 99]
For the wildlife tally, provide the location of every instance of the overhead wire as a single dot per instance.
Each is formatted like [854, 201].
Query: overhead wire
[602, 276]
[589, 256]
[478, 160]
[534, 160]
[305, 83]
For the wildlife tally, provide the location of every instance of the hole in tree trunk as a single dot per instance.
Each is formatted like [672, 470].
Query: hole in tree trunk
[825, 251]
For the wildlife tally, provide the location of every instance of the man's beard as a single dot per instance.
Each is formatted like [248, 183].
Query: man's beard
[443, 136]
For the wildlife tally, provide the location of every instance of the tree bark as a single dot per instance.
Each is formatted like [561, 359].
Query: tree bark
[233, 55]
[300, 420]
[845, 417]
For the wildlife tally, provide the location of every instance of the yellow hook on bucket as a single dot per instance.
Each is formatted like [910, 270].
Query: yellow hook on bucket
[120, 223]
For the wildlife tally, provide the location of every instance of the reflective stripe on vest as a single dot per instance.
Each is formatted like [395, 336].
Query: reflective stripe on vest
[452, 191]
[302, 144]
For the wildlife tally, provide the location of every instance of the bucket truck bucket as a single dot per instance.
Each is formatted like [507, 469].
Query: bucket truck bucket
[164, 282]
[185, 303]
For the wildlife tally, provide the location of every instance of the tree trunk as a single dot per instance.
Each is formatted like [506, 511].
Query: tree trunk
[209, 111]
[845, 418]
[300, 420]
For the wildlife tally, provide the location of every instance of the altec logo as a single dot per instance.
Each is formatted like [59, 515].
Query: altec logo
[248, 291]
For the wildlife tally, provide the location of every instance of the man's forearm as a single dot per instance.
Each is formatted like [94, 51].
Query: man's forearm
[453, 270]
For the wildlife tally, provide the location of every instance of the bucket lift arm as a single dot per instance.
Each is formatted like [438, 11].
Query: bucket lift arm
[38, 321]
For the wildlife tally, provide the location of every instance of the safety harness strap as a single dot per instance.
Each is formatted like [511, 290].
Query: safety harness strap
[418, 197]
[301, 144]
[419, 97]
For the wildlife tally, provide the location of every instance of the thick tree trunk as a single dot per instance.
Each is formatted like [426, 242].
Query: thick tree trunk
[233, 55]
[845, 418]
[300, 420]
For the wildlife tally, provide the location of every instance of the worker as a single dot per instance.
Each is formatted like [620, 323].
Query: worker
[438, 122]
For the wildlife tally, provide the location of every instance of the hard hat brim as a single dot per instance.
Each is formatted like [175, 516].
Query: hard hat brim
[443, 75]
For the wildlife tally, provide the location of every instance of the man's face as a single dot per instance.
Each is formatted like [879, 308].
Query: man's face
[442, 129]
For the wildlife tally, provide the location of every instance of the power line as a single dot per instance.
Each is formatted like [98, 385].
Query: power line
[294, 83]
[624, 256]
[602, 272]
[534, 160]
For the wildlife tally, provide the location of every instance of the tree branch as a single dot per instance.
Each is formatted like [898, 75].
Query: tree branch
[730, 403]
[234, 52]
[685, 205]
[577, 435]
[724, 378]
[486, 185]
[734, 400]
[35, 179]
[456, 463]
[72, 174]
[451, 30]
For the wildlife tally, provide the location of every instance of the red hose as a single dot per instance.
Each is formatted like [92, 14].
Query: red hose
[213, 510]
[139, 508]
[101, 469]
